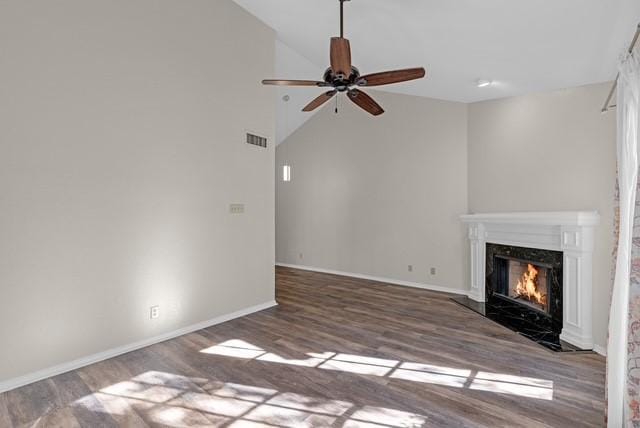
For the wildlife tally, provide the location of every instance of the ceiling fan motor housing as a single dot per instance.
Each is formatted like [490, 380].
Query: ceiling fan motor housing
[339, 81]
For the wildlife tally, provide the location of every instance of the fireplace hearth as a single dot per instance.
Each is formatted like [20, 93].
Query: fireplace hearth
[524, 292]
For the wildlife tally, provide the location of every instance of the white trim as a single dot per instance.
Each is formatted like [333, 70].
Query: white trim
[430, 287]
[19, 381]
[602, 350]
[554, 218]
[568, 336]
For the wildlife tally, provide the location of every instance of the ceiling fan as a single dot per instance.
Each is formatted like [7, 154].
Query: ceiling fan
[342, 76]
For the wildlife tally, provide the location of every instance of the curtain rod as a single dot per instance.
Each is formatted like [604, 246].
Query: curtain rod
[606, 106]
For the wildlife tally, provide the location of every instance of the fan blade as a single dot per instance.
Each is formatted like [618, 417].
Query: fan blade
[388, 77]
[293, 82]
[365, 102]
[319, 101]
[340, 56]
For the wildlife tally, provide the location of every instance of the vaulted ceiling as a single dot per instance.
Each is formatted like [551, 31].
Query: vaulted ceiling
[521, 45]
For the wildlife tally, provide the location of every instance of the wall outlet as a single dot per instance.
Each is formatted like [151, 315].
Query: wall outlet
[236, 208]
[154, 312]
[300, 256]
[433, 271]
[410, 268]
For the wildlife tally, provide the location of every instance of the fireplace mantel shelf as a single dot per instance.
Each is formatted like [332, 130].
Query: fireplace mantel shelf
[568, 231]
[555, 218]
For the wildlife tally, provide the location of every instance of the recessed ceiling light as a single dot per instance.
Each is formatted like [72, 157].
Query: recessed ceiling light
[482, 83]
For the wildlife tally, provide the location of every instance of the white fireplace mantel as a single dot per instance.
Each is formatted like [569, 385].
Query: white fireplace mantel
[568, 231]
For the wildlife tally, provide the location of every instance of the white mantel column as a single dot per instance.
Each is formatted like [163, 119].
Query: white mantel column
[477, 236]
[577, 282]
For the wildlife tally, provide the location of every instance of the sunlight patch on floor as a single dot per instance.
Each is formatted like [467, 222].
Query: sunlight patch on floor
[541, 389]
[178, 401]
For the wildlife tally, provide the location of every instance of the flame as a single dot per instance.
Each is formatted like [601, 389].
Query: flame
[528, 286]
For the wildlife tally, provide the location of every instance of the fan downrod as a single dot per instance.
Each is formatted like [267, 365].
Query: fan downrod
[342, 17]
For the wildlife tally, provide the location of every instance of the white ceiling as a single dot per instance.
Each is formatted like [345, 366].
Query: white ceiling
[522, 45]
[289, 114]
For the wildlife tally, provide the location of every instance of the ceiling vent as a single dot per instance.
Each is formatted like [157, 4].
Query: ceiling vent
[256, 140]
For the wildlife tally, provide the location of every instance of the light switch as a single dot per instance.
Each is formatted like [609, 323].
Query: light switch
[236, 208]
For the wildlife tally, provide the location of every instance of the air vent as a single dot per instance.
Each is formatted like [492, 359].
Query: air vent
[256, 140]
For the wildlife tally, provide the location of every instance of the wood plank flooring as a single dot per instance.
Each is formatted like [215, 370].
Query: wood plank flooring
[337, 352]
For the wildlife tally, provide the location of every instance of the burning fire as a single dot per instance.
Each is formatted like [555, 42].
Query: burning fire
[528, 286]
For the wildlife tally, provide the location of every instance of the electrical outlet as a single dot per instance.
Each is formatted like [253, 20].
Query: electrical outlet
[154, 312]
[433, 271]
[410, 268]
[236, 208]
[300, 256]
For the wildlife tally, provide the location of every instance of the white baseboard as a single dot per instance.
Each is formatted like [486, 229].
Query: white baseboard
[100, 356]
[576, 340]
[377, 278]
[602, 350]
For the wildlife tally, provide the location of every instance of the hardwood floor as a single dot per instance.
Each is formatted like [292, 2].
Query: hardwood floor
[335, 352]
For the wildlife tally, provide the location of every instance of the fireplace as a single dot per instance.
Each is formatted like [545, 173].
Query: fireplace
[524, 291]
[559, 244]
[523, 281]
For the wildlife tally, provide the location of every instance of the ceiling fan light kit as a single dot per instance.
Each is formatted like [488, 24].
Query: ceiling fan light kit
[342, 76]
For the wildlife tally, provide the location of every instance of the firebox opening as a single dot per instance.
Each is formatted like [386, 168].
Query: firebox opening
[525, 282]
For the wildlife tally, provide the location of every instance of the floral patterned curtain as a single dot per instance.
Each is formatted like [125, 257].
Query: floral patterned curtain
[623, 350]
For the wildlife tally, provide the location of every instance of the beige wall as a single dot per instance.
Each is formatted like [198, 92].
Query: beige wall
[549, 152]
[373, 195]
[121, 148]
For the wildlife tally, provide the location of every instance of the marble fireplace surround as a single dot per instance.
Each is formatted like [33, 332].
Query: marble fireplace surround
[568, 231]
